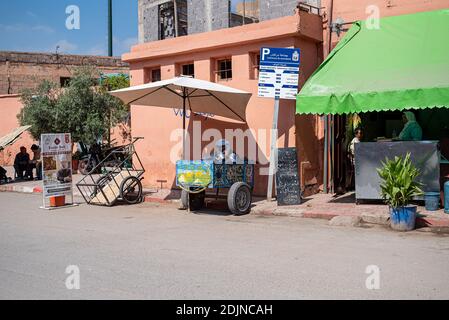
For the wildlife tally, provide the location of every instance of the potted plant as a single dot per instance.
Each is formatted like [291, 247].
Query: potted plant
[399, 186]
[76, 157]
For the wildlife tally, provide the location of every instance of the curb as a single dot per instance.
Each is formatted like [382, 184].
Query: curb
[20, 189]
[158, 200]
[435, 224]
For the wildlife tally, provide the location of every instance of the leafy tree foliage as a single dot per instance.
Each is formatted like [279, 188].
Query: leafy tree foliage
[84, 109]
[39, 106]
[116, 82]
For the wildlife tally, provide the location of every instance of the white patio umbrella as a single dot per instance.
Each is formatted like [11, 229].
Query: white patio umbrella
[186, 92]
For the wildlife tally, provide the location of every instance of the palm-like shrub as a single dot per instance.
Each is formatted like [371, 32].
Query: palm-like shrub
[399, 184]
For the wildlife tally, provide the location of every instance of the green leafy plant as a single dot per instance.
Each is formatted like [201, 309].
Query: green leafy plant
[39, 105]
[115, 82]
[399, 184]
[84, 108]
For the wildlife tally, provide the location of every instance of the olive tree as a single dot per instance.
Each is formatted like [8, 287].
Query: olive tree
[84, 108]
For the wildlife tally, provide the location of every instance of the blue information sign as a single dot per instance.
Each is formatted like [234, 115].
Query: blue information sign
[279, 72]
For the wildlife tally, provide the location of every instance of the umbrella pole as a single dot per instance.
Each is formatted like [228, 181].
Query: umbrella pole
[184, 97]
[184, 126]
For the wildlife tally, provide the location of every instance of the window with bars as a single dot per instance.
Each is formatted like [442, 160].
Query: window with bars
[64, 82]
[224, 69]
[188, 70]
[152, 74]
[172, 19]
[155, 75]
[255, 65]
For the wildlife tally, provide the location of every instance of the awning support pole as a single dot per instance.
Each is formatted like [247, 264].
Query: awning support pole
[325, 154]
[273, 150]
[332, 153]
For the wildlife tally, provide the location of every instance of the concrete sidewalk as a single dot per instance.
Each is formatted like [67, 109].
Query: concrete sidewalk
[343, 209]
[340, 210]
[35, 186]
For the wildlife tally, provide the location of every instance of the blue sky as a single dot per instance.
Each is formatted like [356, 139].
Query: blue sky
[40, 26]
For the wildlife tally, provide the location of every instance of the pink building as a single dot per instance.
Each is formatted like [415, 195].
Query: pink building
[228, 56]
[209, 55]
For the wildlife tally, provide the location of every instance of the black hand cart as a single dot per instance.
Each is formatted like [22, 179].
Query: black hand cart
[118, 177]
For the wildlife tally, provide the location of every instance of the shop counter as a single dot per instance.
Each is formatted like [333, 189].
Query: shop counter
[369, 155]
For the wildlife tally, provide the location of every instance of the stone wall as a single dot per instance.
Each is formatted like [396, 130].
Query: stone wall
[272, 9]
[209, 15]
[20, 70]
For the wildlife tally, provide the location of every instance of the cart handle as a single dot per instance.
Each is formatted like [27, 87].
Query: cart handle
[190, 191]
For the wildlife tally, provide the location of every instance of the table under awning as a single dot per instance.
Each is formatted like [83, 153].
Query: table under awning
[402, 65]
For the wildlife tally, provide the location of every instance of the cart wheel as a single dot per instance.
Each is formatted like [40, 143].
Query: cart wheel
[184, 199]
[83, 166]
[131, 190]
[239, 198]
[100, 183]
[195, 200]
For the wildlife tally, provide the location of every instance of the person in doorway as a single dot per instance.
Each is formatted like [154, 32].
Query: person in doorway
[358, 136]
[36, 163]
[412, 130]
[22, 164]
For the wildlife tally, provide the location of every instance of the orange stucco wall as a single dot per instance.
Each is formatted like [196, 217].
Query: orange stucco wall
[10, 106]
[157, 124]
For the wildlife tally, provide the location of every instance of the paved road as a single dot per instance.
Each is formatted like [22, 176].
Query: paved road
[159, 252]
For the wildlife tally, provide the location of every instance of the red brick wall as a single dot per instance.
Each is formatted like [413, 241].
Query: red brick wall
[19, 70]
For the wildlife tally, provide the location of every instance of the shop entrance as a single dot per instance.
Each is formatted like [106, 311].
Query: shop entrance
[385, 125]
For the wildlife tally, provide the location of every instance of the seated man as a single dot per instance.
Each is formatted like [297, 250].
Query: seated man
[22, 163]
[36, 161]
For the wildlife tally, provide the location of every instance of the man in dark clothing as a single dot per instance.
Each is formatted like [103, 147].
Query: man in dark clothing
[36, 162]
[3, 176]
[22, 163]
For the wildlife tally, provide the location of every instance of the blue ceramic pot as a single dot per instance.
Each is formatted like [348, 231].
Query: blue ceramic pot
[403, 218]
[446, 197]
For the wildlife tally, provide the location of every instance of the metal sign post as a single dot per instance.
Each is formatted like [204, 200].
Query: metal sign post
[278, 79]
[273, 150]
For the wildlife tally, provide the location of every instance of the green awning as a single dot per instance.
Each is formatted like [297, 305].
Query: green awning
[402, 65]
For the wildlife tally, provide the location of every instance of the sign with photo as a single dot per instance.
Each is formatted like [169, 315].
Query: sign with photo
[56, 156]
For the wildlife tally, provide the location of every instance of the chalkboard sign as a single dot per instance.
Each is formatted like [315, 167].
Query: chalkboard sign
[287, 177]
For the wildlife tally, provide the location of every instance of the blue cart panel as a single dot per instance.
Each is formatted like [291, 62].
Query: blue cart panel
[198, 173]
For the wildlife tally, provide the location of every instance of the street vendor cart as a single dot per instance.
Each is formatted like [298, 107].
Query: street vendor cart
[197, 177]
